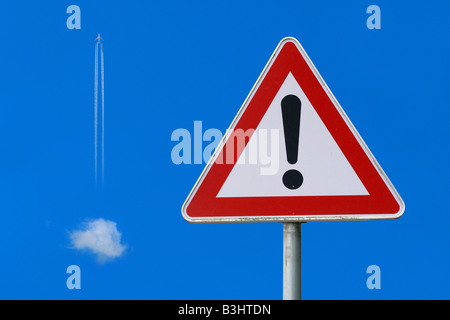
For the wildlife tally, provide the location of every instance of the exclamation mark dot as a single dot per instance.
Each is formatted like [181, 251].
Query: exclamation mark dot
[291, 111]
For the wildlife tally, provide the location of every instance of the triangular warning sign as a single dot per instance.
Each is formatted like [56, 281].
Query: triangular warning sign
[291, 154]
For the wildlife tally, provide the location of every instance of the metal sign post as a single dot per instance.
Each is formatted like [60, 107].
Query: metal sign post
[292, 262]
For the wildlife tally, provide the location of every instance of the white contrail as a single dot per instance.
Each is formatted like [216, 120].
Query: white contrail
[95, 109]
[103, 114]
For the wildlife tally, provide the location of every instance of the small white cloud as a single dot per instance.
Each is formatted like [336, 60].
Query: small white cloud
[100, 237]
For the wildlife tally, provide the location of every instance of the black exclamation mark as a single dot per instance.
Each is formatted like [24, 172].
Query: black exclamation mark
[291, 109]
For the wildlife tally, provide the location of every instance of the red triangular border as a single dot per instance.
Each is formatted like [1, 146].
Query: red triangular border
[383, 202]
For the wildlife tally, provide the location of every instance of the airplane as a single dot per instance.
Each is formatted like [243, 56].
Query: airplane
[99, 39]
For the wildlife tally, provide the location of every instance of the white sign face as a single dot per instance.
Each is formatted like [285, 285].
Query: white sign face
[325, 169]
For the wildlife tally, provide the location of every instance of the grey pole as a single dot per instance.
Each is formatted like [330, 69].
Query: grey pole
[292, 263]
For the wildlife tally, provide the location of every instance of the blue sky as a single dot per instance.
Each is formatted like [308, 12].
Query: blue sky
[164, 64]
